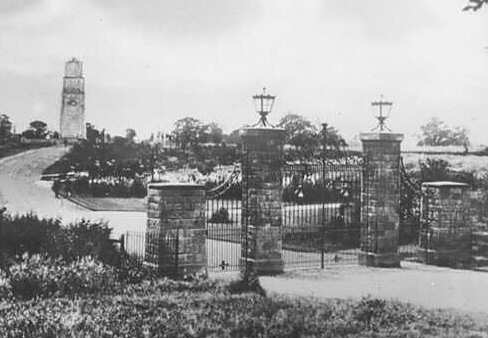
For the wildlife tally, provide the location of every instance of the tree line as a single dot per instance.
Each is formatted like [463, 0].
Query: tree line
[37, 130]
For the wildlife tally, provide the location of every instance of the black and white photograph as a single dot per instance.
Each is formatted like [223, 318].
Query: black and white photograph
[243, 168]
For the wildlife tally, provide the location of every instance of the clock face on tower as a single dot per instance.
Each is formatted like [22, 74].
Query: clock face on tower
[72, 102]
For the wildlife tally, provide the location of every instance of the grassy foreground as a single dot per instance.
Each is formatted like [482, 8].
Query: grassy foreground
[176, 309]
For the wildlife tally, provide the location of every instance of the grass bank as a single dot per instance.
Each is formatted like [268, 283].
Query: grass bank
[176, 309]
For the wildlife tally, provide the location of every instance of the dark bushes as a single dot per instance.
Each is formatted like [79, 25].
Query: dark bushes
[38, 276]
[220, 216]
[32, 235]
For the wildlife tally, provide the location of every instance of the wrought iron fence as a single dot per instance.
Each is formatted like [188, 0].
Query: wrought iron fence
[158, 250]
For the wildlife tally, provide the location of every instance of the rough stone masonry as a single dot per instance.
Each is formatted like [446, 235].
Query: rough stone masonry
[380, 200]
[175, 231]
[261, 199]
[445, 236]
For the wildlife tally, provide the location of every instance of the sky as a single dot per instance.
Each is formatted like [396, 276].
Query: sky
[148, 63]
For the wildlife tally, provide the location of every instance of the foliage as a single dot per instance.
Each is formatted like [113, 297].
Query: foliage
[5, 128]
[132, 271]
[300, 132]
[101, 187]
[220, 216]
[5, 288]
[153, 310]
[211, 133]
[303, 189]
[475, 5]
[40, 276]
[306, 138]
[186, 132]
[30, 234]
[130, 134]
[37, 130]
[436, 133]
[434, 170]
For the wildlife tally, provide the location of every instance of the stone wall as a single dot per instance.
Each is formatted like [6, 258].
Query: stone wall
[175, 231]
[445, 236]
[380, 200]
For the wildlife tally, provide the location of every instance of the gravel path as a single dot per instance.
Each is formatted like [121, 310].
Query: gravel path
[429, 286]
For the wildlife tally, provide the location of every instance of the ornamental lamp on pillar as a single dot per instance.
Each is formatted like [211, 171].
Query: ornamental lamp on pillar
[380, 190]
[262, 160]
[264, 104]
[382, 116]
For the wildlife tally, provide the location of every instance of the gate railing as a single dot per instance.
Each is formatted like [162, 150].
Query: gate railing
[320, 224]
[410, 210]
[223, 223]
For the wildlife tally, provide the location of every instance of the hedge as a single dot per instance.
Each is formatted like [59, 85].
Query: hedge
[29, 234]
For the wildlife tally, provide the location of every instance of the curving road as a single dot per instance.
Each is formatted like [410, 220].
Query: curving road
[21, 191]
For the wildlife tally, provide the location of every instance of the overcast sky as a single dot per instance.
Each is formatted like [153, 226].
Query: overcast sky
[150, 62]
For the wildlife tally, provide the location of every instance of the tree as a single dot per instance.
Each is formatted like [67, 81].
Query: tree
[437, 133]
[333, 139]
[37, 130]
[434, 170]
[187, 132]
[5, 128]
[300, 132]
[130, 134]
[234, 137]
[475, 5]
[306, 137]
[93, 135]
[211, 132]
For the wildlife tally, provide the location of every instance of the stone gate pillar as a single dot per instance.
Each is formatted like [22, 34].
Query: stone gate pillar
[445, 237]
[380, 200]
[261, 199]
[175, 231]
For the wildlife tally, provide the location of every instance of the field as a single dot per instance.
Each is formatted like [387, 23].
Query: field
[467, 163]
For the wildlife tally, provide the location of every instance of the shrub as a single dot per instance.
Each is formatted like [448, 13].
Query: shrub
[132, 271]
[30, 234]
[38, 276]
[148, 312]
[5, 288]
[220, 216]
[88, 238]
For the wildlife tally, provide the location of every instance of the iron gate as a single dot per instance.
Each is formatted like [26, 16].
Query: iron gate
[321, 213]
[412, 231]
[223, 223]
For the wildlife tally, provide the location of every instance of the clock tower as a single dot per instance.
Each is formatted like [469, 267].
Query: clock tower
[72, 122]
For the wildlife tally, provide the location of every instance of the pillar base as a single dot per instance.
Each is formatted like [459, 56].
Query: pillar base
[448, 258]
[384, 260]
[264, 267]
